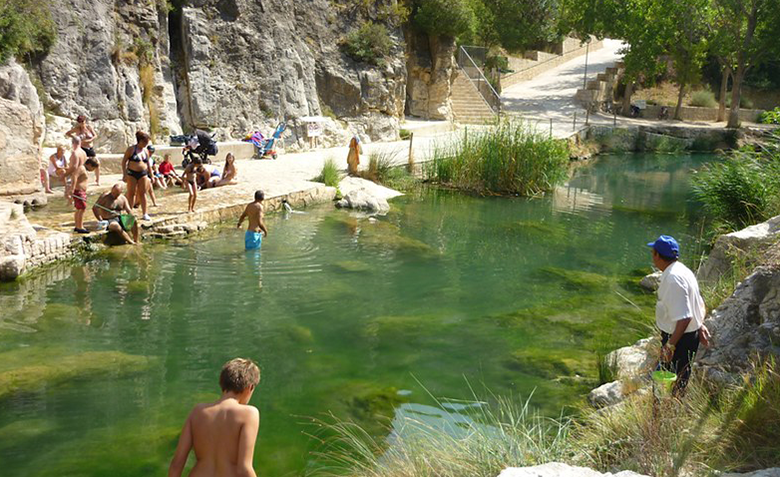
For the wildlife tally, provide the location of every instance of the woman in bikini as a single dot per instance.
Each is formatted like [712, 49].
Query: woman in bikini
[135, 168]
[87, 135]
[229, 173]
[57, 166]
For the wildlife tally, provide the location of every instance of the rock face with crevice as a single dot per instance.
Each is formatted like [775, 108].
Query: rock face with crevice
[19, 153]
[431, 69]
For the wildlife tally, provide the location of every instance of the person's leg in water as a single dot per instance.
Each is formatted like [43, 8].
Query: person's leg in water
[116, 228]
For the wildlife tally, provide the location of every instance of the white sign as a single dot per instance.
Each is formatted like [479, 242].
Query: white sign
[314, 129]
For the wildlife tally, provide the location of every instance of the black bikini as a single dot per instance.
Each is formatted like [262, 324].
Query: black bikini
[138, 175]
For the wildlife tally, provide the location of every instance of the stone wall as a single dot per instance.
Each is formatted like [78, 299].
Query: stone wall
[691, 113]
[533, 70]
[661, 138]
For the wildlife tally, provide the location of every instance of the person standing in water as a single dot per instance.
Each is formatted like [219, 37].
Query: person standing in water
[253, 238]
[222, 433]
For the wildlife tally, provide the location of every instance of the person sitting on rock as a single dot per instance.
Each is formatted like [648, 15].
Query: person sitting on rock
[208, 176]
[109, 208]
[167, 171]
[56, 168]
[229, 172]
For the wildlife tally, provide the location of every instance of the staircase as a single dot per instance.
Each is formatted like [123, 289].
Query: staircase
[468, 105]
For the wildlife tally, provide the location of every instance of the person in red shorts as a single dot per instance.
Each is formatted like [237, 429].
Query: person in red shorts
[80, 192]
[169, 175]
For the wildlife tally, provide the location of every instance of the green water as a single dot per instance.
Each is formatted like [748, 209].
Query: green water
[101, 361]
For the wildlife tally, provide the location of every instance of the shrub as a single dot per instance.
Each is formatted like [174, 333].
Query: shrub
[26, 28]
[380, 165]
[510, 158]
[404, 134]
[370, 43]
[770, 117]
[454, 18]
[743, 189]
[329, 175]
[744, 102]
[704, 99]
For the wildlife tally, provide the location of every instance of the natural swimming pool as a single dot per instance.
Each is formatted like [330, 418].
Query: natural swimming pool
[101, 360]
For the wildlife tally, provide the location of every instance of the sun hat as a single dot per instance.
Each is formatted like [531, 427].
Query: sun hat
[666, 246]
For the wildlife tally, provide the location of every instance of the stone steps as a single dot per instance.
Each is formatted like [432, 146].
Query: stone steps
[468, 106]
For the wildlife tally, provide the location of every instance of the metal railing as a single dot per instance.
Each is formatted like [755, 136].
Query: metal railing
[474, 73]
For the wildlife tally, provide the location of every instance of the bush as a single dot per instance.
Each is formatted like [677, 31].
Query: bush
[380, 166]
[509, 158]
[744, 102]
[453, 18]
[770, 117]
[329, 175]
[26, 28]
[404, 134]
[370, 43]
[704, 99]
[742, 190]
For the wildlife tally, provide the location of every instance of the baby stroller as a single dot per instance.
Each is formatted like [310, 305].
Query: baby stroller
[202, 145]
[265, 147]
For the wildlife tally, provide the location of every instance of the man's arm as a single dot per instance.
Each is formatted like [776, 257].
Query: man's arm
[95, 210]
[246, 443]
[241, 219]
[182, 450]
[679, 329]
[261, 223]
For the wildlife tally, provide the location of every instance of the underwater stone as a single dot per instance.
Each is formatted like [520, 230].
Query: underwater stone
[11, 266]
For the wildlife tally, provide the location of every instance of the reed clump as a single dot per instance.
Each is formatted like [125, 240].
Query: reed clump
[511, 158]
[329, 175]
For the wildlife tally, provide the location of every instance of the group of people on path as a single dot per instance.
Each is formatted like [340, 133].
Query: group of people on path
[140, 172]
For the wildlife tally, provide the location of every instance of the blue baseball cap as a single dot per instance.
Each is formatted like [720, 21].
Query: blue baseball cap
[666, 246]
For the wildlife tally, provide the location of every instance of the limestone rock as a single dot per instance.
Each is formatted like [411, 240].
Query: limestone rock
[773, 472]
[363, 199]
[746, 324]
[606, 395]
[755, 237]
[15, 85]
[651, 282]
[430, 68]
[556, 469]
[348, 184]
[634, 360]
[19, 152]
[11, 266]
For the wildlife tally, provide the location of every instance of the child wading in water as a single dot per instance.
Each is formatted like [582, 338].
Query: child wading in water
[223, 433]
[253, 239]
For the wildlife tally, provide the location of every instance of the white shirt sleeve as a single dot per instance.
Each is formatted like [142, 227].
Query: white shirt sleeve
[676, 301]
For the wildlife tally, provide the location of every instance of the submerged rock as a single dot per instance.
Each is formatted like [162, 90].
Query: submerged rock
[577, 279]
[556, 469]
[352, 266]
[363, 199]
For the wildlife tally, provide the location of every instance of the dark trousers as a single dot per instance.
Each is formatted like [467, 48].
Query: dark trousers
[684, 353]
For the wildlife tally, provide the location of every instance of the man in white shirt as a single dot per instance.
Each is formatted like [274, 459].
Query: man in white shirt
[679, 312]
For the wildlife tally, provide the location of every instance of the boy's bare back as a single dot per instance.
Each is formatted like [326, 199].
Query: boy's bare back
[254, 215]
[221, 432]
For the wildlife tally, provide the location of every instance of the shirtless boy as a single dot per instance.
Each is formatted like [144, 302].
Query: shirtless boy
[80, 180]
[113, 200]
[190, 176]
[223, 433]
[253, 239]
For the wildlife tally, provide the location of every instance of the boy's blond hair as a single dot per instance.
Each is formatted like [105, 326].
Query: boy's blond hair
[239, 374]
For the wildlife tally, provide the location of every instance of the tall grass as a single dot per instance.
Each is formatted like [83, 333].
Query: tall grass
[744, 189]
[511, 158]
[329, 175]
[480, 445]
[704, 99]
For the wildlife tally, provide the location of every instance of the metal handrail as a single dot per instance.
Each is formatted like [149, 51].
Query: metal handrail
[494, 96]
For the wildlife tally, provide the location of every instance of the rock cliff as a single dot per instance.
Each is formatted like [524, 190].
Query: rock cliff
[228, 65]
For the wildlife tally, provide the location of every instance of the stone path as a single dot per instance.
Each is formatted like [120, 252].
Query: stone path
[289, 174]
[551, 94]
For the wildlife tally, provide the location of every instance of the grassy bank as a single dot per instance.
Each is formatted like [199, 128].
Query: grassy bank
[511, 158]
[714, 427]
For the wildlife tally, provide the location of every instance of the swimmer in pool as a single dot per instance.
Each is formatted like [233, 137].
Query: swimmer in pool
[254, 212]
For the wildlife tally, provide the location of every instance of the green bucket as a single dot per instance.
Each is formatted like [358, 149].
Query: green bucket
[664, 381]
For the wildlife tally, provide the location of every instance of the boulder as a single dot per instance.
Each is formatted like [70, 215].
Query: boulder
[363, 199]
[754, 238]
[651, 282]
[635, 360]
[15, 85]
[19, 152]
[607, 394]
[557, 469]
[746, 324]
[773, 472]
[11, 266]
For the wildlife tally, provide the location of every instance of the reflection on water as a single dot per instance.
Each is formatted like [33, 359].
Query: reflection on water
[341, 311]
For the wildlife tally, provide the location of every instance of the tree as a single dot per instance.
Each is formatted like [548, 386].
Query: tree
[26, 28]
[521, 24]
[751, 32]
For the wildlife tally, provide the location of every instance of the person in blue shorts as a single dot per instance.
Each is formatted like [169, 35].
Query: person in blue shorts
[253, 238]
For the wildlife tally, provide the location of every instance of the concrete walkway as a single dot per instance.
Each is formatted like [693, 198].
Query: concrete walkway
[551, 94]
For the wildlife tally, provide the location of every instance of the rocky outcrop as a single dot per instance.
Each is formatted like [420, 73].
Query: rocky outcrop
[19, 152]
[743, 242]
[15, 85]
[556, 469]
[363, 199]
[661, 138]
[635, 360]
[747, 324]
[22, 247]
[773, 472]
[431, 69]
[607, 394]
[652, 281]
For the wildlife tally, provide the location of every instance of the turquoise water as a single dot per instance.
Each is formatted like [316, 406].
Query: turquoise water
[101, 360]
